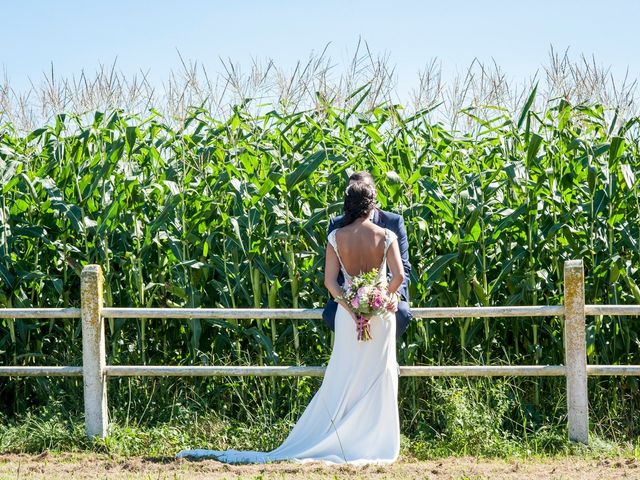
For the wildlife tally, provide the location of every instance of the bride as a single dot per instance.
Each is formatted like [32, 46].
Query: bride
[353, 418]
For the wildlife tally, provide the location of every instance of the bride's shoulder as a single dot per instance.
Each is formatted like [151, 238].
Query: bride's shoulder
[390, 235]
[379, 229]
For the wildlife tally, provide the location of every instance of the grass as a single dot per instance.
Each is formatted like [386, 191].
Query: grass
[58, 449]
[472, 433]
[472, 442]
[57, 435]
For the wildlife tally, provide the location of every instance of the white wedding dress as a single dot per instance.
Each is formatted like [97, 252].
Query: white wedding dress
[353, 418]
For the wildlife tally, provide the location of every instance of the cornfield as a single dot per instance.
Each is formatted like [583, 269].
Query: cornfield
[231, 210]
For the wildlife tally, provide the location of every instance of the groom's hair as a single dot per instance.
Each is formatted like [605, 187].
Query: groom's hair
[362, 176]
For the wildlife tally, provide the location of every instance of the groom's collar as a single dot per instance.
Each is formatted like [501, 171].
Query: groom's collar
[377, 218]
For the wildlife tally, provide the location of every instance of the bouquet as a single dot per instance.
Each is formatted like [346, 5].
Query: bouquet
[368, 296]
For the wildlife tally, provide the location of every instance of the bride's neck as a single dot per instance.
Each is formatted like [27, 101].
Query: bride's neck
[362, 220]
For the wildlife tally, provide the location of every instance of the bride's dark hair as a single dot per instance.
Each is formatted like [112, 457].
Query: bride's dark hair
[359, 200]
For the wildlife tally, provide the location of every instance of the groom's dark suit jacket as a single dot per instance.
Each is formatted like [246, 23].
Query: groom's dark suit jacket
[395, 223]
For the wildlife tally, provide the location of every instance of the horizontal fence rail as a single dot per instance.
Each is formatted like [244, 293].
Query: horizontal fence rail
[277, 371]
[41, 371]
[315, 313]
[593, 310]
[95, 371]
[40, 313]
[310, 371]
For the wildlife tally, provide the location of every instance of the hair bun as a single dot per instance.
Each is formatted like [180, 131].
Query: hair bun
[359, 200]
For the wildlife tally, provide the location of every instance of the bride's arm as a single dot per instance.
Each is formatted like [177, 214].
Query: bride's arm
[394, 261]
[331, 271]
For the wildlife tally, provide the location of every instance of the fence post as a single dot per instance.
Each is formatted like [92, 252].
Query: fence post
[93, 352]
[575, 352]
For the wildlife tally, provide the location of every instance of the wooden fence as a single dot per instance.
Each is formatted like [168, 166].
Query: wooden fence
[95, 371]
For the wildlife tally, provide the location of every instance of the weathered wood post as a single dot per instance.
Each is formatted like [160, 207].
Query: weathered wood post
[575, 351]
[93, 352]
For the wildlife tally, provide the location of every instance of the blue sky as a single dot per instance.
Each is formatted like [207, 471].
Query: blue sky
[145, 35]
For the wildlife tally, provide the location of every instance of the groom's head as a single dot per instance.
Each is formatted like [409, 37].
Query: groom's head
[363, 176]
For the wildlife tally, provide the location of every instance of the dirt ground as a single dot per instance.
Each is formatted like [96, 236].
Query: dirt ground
[96, 466]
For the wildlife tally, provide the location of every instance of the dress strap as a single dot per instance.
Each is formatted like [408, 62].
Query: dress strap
[334, 244]
[389, 238]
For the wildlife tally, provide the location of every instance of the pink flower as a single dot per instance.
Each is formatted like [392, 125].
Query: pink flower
[355, 302]
[377, 302]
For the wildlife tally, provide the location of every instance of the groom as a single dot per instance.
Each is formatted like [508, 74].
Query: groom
[395, 223]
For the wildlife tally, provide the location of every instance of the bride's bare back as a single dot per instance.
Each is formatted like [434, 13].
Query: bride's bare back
[361, 247]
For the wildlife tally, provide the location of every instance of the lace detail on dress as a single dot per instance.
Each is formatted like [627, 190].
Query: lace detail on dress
[389, 237]
[334, 244]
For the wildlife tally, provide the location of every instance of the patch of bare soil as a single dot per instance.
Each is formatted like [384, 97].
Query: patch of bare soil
[97, 466]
